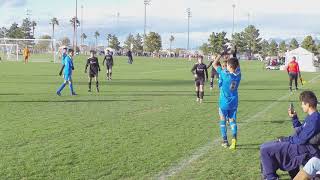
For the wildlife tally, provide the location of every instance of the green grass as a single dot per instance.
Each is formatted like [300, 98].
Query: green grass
[141, 124]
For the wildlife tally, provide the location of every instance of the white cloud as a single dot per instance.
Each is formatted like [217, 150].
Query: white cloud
[275, 18]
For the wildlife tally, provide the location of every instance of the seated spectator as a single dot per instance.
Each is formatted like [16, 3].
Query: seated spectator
[288, 153]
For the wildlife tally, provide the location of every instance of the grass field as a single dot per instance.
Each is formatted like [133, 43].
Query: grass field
[141, 125]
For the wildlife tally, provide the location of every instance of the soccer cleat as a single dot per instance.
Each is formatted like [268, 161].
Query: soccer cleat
[74, 94]
[228, 122]
[198, 99]
[58, 93]
[225, 144]
[201, 100]
[233, 144]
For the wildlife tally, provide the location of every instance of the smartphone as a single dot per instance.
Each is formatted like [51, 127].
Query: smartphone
[291, 108]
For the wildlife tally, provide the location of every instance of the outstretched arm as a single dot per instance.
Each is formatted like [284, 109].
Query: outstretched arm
[206, 73]
[98, 65]
[216, 62]
[104, 61]
[60, 73]
[210, 64]
[193, 70]
[85, 70]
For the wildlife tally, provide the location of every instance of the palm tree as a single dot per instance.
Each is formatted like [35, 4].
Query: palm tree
[33, 24]
[171, 41]
[109, 36]
[83, 37]
[75, 24]
[96, 35]
[54, 21]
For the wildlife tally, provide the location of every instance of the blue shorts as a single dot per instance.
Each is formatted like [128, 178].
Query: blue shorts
[228, 114]
[67, 77]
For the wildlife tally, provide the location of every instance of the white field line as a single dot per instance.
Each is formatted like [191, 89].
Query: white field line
[206, 148]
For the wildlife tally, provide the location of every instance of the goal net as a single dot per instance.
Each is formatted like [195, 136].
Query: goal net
[41, 50]
[9, 52]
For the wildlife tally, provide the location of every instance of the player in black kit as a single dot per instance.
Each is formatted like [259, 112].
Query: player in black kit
[108, 61]
[213, 74]
[93, 69]
[200, 73]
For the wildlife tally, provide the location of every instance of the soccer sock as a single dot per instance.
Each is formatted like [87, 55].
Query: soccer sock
[197, 93]
[110, 74]
[201, 94]
[71, 87]
[211, 82]
[61, 87]
[223, 129]
[97, 84]
[89, 85]
[234, 129]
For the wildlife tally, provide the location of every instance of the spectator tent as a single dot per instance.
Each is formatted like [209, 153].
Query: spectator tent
[304, 58]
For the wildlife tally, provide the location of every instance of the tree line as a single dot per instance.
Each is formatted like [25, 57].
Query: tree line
[249, 42]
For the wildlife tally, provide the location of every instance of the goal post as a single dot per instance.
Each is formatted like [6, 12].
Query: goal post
[9, 52]
[41, 50]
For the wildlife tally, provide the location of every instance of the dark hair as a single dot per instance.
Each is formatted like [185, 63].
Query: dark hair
[309, 97]
[93, 51]
[233, 63]
[70, 50]
[201, 57]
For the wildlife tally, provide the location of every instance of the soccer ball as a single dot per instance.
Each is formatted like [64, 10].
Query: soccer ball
[229, 48]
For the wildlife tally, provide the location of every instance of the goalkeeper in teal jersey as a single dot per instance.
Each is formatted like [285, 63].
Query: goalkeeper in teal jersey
[228, 101]
[67, 73]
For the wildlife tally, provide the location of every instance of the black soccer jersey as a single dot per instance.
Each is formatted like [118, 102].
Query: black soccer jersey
[109, 59]
[200, 70]
[94, 65]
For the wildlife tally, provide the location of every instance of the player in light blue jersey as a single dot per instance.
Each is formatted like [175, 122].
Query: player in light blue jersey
[67, 73]
[228, 101]
[63, 56]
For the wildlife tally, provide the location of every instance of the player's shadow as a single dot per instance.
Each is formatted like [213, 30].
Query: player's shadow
[275, 121]
[262, 89]
[145, 82]
[252, 146]
[11, 94]
[75, 101]
[266, 100]
[156, 94]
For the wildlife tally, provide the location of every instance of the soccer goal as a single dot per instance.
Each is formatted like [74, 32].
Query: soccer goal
[41, 50]
[9, 52]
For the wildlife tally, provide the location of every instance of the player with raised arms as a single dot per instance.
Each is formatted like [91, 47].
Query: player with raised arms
[229, 81]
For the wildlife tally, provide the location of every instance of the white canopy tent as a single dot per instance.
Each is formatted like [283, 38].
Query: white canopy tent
[304, 58]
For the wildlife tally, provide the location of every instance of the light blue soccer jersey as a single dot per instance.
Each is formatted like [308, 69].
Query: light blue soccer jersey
[229, 83]
[63, 57]
[68, 65]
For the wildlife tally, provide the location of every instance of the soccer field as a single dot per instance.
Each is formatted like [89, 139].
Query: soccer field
[144, 124]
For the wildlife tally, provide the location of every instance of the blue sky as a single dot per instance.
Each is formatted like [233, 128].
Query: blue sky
[275, 18]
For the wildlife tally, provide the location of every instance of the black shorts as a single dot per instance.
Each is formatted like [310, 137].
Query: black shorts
[213, 74]
[199, 81]
[293, 75]
[93, 74]
[109, 66]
